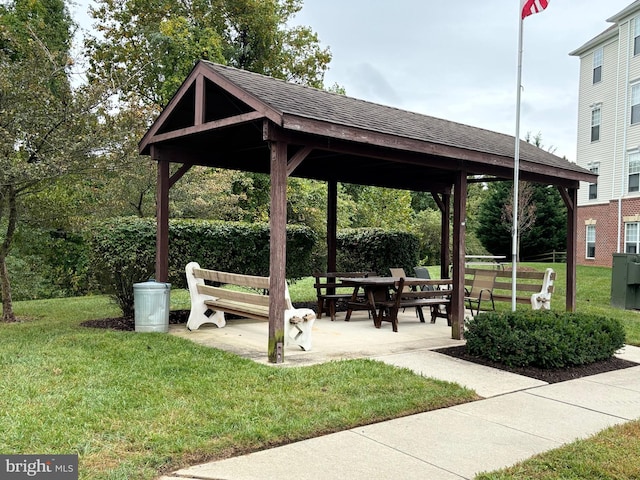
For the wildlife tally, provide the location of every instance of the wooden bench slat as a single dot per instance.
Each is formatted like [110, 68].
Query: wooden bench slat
[250, 281]
[209, 303]
[520, 287]
[246, 297]
[507, 298]
[528, 283]
[241, 309]
[329, 290]
[412, 293]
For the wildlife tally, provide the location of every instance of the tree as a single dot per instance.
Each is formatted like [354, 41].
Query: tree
[148, 47]
[526, 212]
[537, 141]
[21, 19]
[541, 216]
[492, 231]
[547, 234]
[47, 128]
[383, 208]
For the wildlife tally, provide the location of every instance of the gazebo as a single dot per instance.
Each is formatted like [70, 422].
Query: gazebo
[229, 118]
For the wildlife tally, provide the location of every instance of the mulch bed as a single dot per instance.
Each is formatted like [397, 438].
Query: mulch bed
[546, 375]
[129, 324]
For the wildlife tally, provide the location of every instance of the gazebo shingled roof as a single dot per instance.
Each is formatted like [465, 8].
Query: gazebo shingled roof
[307, 110]
[229, 118]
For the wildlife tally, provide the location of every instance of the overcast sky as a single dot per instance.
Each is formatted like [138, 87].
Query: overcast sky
[457, 59]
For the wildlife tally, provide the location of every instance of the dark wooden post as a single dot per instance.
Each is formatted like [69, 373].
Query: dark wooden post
[570, 199]
[332, 224]
[459, 229]
[444, 205]
[445, 252]
[162, 217]
[278, 250]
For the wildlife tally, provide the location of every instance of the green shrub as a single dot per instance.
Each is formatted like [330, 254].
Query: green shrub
[234, 247]
[123, 253]
[124, 249]
[48, 263]
[543, 339]
[376, 250]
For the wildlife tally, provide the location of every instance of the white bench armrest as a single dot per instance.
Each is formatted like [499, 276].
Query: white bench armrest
[542, 299]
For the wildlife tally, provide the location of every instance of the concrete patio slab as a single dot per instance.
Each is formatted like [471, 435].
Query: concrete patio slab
[486, 381]
[598, 395]
[539, 416]
[337, 340]
[629, 352]
[457, 442]
[333, 457]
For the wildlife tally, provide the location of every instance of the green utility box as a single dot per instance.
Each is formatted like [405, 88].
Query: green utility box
[625, 281]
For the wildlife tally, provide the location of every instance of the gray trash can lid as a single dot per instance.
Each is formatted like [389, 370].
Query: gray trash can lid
[152, 284]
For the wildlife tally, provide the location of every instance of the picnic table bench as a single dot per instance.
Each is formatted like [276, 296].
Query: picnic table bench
[417, 292]
[210, 301]
[330, 290]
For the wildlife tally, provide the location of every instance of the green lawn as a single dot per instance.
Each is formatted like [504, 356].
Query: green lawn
[134, 406]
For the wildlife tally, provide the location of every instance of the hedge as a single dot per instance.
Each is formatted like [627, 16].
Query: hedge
[123, 252]
[376, 250]
[543, 339]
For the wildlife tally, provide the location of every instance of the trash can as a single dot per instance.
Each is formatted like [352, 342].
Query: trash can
[625, 281]
[151, 306]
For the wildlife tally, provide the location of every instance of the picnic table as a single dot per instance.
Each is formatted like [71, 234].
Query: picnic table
[481, 260]
[379, 291]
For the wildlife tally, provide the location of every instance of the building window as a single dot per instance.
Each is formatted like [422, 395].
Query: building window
[631, 237]
[591, 241]
[634, 172]
[597, 65]
[596, 115]
[636, 36]
[593, 187]
[635, 104]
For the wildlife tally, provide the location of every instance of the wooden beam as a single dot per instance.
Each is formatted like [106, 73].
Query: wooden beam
[459, 230]
[444, 205]
[162, 217]
[566, 197]
[171, 106]
[332, 225]
[297, 159]
[199, 110]
[353, 141]
[179, 174]
[570, 197]
[205, 127]
[277, 251]
[245, 97]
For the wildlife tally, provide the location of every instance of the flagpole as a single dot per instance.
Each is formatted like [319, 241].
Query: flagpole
[516, 171]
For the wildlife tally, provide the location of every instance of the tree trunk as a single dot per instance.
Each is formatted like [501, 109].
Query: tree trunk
[7, 303]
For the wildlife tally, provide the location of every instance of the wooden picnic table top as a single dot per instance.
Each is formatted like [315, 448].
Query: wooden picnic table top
[392, 281]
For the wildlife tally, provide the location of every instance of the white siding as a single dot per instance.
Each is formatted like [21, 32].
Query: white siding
[602, 93]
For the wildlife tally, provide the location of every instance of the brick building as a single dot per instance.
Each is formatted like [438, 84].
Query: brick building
[608, 140]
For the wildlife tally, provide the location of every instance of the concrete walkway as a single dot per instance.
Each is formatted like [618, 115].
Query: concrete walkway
[518, 418]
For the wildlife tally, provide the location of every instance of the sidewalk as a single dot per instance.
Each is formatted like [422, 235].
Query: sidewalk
[518, 418]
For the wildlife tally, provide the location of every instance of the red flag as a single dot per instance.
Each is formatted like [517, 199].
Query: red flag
[529, 7]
